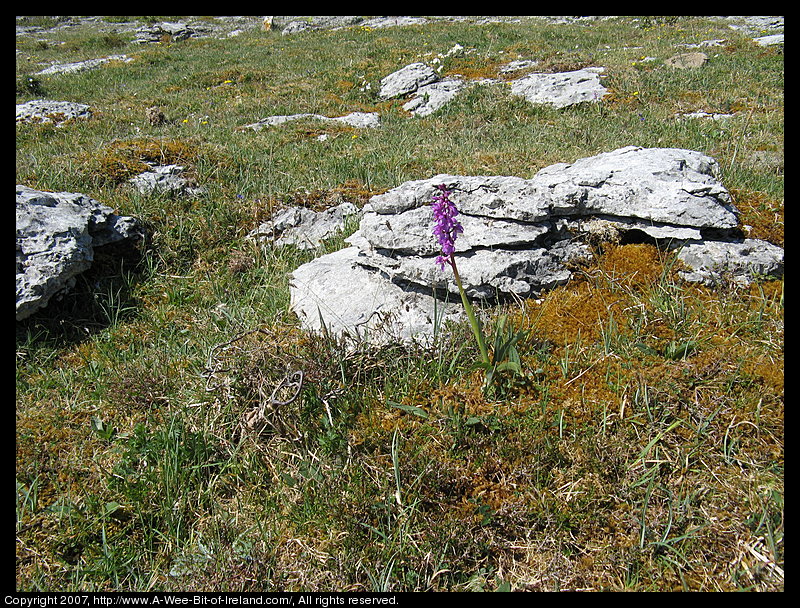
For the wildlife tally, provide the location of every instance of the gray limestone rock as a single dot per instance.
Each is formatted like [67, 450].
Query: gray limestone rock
[662, 185]
[304, 228]
[562, 89]
[659, 185]
[359, 120]
[57, 234]
[382, 22]
[516, 65]
[752, 25]
[407, 80]
[168, 179]
[707, 115]
[602, 228]
[711, 262]
[46, 111]
[410, 232]
[521, 236]
[430, 93]
[487, 274]
[335, 293]
[81, 66]
[296, 24]
[430, 97]
[771, 40]
[156, 32]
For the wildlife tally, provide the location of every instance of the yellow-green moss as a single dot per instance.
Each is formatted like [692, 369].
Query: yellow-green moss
[118, 161]
[763, 216]
[637, 265]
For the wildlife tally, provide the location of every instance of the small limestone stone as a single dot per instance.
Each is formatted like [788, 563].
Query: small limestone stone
[429, 98]
[687, 60]
[771, 40]
[519, 64]
[81, 66]
[382, 22]
[740, 261]
[165, 179]
[155, 33]
[707, 115]
[359, 120]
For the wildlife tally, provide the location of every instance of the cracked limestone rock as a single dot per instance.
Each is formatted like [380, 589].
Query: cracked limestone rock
[430, 97]
[429, 93]
[57, 234]
[521, 237]
[337, 294]
[562, 89]
[82, 66]
[158, 31]
[304, 228]
[168, 179]
[741, 262]
[407, 80]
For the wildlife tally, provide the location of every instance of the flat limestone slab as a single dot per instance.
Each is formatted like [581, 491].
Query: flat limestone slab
[562, 89]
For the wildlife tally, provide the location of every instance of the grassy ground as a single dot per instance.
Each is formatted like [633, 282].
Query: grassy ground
[642, 450]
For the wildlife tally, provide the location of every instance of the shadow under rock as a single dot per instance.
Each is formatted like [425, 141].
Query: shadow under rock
[102, 297]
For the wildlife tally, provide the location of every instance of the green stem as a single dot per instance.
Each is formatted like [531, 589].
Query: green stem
[476, 327]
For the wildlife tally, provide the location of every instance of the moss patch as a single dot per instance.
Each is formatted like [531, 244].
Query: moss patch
[119, 161]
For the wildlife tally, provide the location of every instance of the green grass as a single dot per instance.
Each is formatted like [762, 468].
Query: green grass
[641, 450]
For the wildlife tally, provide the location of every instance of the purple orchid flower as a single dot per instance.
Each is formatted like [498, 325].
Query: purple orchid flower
[447, 228]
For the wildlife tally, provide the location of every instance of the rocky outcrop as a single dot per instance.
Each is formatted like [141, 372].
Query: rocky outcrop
[521, 236]
[429, 98]
[407, 80]
[337, 294]
[157, 32]
[57, 234]
[420, 80]
[296, 24]
[772, 40]
[428, 92]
